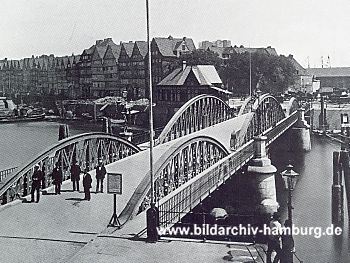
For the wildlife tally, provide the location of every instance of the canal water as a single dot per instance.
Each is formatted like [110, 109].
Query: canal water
[312, 199]
[20, 142]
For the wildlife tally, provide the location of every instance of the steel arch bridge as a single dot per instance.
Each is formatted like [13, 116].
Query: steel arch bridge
[85, 149]
[184, 160]
[265, 113]
[198, 113]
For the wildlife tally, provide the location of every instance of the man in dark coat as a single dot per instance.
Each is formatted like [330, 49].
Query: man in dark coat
[36, 182]
[57, 177]
[287, 244]
[75, 175]
[274, 239]
[87, 184]
[100, 175]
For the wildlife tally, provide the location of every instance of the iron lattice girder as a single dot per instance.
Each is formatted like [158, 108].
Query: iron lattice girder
[175, 205]
[198, 113]
[266, 112]
[85, 148]
[183, 161]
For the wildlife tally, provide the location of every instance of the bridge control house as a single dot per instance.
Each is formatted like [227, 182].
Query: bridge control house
[183, 84]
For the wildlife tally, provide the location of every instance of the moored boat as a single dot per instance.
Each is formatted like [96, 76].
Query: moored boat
[36, 117]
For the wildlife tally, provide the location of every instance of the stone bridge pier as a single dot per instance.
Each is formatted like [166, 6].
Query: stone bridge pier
[301, 133]
[262, 174]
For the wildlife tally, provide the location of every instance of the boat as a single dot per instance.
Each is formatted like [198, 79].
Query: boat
[36, 117]
[6, 107]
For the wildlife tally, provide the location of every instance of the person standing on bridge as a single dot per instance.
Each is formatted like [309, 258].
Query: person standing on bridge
[87, 184]
[273, 243]
[100, 175]
[57, 178]
[36, 182]
[75, 175]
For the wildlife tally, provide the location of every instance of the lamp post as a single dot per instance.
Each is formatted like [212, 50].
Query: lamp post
[289, 178]
[152, 212]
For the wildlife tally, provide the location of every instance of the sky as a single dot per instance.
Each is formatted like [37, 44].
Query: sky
[308, 29]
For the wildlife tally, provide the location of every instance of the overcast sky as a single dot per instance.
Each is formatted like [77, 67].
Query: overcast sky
[304, 28]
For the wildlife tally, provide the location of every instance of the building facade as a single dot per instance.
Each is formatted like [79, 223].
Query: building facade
[183, 84]
[104, 69]
[337, 78]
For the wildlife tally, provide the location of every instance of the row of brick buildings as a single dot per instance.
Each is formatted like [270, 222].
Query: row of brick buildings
[104, 69]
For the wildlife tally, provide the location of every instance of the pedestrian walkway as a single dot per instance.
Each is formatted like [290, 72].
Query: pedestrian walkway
[121, 246]
[57, 227]
[53, 229]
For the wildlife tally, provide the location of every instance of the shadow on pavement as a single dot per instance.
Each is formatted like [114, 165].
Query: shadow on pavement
[75, 199]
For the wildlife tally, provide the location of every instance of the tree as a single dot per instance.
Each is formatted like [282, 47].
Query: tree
[202, 57]
[273, 73]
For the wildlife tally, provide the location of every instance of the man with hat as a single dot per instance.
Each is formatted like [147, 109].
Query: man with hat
[100, 175]
[36, 181]
[87, 184]
[75, 175]
[274, 242]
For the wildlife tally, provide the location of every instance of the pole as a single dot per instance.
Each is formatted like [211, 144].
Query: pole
[290, 207]
[114, 219]
[344, 158]
[337, 192]
[250, 74]
[153, 212]
[150, 105]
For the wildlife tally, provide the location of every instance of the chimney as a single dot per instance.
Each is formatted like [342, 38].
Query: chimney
[184, 65]
[98, 42]
[290, 56]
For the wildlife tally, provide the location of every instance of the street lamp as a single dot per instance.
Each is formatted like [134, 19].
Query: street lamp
[152, 212]
[289, 178]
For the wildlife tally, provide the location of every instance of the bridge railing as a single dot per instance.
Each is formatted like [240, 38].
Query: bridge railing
[190, 194]
[84, 149]
[6, 172]
[194, 191]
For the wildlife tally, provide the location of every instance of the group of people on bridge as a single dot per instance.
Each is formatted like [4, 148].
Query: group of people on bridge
[75, 172]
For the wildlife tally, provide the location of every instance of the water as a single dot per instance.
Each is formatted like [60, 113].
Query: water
[312, 199]
[21, 142]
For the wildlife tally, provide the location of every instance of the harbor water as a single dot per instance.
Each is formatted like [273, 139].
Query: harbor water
[20, 142]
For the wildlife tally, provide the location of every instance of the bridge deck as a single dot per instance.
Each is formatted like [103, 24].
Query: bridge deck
[59, 225]
[134, 168]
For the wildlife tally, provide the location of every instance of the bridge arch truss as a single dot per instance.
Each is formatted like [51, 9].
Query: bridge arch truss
[266, 113]
[85, 149]
[182, 162]
[198, 113]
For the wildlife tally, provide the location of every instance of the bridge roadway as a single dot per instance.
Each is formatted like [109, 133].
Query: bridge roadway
[54, 229]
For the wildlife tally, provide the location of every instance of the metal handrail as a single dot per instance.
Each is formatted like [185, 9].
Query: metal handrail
[195, 190]
[6, 172]
[165, 134]
[10, 180]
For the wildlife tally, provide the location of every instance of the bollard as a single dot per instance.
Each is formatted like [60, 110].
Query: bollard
[337, 192]
[344, 159]
[152, 215]
[63, 131]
